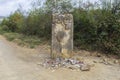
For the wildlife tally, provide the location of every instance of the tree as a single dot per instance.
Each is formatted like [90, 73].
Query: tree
[58, 6]
[116, 6]
[106, 4]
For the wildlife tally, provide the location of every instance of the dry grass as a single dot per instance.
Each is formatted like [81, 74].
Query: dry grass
[22, 40]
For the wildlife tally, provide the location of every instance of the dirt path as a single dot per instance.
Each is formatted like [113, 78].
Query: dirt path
[17, 63]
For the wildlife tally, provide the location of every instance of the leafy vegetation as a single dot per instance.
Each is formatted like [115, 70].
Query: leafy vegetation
[96, 26]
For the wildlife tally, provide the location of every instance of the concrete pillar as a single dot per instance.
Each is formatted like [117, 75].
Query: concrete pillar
[62, 35]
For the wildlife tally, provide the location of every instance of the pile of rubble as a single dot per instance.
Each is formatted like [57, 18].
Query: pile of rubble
[66, 63]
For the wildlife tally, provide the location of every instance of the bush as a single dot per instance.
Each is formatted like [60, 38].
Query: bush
[109, 35]
[84, 30]
[97, 30]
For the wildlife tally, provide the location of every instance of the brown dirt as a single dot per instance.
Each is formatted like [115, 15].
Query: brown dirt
[19, 63]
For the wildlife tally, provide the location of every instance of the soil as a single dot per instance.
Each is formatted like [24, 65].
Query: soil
[20, 63]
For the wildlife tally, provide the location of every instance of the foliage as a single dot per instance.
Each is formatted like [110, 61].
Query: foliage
[109, 34]
[13, 22]
[38, 23]
[58, 6]
[97, 31]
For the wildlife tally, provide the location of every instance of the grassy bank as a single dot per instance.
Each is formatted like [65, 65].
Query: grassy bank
[23, 40]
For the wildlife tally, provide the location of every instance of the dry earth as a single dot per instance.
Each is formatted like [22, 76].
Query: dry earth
[19, 63]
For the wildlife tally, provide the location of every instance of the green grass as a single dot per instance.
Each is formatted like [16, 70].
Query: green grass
[23, 40]
[1, 31]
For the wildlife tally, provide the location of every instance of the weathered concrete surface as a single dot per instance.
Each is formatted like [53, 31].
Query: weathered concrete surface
[62, 35]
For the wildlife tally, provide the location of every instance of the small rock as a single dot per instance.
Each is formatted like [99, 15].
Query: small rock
[74, 67]
[105, 60]
[95, 61]
[73, 62]
[116, 61]
[100, 61]
[92, 65]
[85, 67]
[98, 55]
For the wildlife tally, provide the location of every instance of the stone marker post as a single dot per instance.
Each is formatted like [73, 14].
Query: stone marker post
[62, 35]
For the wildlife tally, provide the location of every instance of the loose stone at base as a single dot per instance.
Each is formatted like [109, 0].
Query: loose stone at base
[85, 67]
